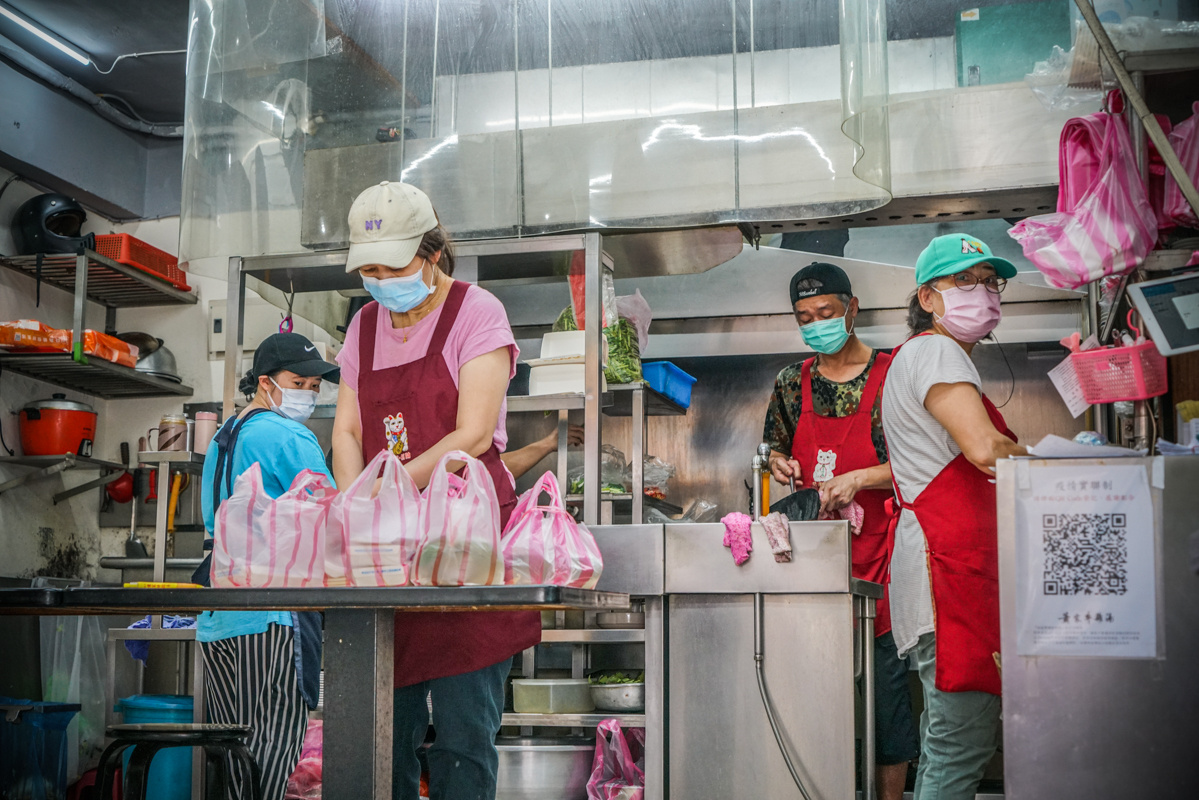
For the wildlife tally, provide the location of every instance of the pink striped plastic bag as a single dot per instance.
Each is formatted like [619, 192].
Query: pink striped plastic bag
[460, 545]
[373, 536]
[544, 545]
[1110, 229]
[264, 541]
[617, 772]
[1185, 141]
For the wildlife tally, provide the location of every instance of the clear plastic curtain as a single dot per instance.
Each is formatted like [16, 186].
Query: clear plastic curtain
[521, 117]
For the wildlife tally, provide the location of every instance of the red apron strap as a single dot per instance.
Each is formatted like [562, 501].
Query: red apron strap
[874, 383]
[805, 381]
[449, 314]
[368, 325]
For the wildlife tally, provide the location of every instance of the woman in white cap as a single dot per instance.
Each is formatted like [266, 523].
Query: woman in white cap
[425, 370]
[944, 437]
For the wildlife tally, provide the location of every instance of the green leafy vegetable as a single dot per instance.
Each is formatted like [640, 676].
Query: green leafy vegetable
[616, 678]
[624, 351]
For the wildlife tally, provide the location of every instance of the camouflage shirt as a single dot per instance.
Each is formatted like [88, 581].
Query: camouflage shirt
[830, 399]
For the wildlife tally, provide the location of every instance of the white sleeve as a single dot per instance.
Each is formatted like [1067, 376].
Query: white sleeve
[942, 360]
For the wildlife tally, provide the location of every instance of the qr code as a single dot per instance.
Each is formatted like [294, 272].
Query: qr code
[1085, 554]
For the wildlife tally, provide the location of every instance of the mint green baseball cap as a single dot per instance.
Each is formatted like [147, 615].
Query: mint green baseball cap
[954, 252]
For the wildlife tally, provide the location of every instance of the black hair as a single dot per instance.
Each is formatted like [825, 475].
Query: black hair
[919, 320]
[248, 385]
[438, 239]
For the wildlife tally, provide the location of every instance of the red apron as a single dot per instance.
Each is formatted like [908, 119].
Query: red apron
[432, 645]
[845, 444]
[957, 513]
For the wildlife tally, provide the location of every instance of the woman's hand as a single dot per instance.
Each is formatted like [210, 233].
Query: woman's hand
[784, 468]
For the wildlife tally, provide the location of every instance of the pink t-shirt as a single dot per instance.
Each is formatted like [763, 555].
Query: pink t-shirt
[482, 326]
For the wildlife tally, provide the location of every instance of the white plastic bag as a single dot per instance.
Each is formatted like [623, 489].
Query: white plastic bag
[74, 670]
[636, 310]
[544, 545]
[373, 537]
[460, 545]
[263, 541]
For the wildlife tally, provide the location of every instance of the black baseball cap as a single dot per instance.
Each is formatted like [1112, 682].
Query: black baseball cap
[294, 353]
[824, 278]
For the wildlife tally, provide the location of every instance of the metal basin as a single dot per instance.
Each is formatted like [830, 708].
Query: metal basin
[544, 768]
[625, 697]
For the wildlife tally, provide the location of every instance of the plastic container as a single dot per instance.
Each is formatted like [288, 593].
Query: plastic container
[563, 344]
[552, 696]
[131, 251]
[171, 770]
[1112, 374]
[559, 379]
[667, 379]
[33, 748]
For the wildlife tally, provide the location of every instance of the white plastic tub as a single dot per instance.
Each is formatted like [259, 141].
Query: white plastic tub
[551, 696]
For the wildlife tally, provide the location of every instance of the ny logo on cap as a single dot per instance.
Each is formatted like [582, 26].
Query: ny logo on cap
[968, 247]
[374, 224]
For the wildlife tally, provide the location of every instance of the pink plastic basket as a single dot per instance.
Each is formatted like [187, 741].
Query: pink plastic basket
[1121, 373]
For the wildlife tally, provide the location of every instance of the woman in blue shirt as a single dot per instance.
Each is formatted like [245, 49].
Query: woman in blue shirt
[262, 668]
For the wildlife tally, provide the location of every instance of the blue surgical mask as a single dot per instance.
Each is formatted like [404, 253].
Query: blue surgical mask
[297, 405]
[825, 336]
[398, 294]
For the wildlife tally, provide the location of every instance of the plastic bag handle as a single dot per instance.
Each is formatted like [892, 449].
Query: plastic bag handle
[366, 478]
[1132, 327]
[318, 482]
[456, 455]
[547, 484]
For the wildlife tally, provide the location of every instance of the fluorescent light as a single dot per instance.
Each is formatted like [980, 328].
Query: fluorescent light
[46, 37]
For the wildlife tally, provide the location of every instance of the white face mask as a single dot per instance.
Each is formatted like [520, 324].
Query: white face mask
[297, 405]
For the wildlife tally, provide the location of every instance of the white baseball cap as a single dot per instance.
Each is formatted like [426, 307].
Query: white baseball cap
[387, 223]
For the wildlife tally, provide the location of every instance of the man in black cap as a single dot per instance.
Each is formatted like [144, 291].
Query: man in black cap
[824, 431]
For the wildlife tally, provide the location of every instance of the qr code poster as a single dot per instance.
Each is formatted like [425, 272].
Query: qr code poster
[1085, 561]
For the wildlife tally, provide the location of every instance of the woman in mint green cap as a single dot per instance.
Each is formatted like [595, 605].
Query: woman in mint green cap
[944, 437]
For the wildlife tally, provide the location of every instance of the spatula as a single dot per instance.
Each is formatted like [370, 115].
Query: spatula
[802, 505]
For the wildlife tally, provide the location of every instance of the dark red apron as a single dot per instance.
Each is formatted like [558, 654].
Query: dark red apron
[958, 516]
[422, 393]
[849, 441]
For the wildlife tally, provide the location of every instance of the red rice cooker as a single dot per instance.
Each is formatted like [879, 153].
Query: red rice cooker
[57, 426]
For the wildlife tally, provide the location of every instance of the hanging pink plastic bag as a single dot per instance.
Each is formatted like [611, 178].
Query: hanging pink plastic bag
[1111, 226]
[544, 545]
[1185, 141]
[618, 771]
[460, 544]
[373, 536]
[265, 541]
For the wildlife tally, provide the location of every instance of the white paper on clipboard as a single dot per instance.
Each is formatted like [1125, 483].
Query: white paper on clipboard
[1065, 380]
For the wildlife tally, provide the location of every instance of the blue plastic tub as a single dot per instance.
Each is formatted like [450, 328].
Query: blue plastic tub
[666, 378]
[171, 770]
[33, 748]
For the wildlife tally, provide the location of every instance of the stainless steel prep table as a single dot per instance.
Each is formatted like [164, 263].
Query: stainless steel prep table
[359, 634]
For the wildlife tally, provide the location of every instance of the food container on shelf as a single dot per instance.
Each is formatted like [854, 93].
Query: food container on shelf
[57, 426]
[544, 768]
[551, 696]
[564, 344]
[667, 379]
[630, 620]
[559, 379]
[625, 697]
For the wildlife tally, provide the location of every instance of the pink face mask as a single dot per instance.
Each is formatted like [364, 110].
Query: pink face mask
[969, 315]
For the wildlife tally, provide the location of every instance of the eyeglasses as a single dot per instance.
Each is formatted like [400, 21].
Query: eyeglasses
[966, 281]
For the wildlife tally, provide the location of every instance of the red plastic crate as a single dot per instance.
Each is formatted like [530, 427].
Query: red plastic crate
[131, 251]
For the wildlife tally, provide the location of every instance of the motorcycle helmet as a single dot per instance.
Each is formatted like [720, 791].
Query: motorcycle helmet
[48, 223]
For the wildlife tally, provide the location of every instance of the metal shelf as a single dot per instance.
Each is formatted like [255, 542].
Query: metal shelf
[45, 466]
[108, 283]
[656, 403]
[592, 635]
[571, 720]
[604, 497]
[96, 377]
[553, 402]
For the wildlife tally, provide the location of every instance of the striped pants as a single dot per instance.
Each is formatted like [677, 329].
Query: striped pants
[251, 680]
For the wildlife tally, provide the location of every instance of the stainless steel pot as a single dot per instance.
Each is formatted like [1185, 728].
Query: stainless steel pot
[544, 768]
[624, 697]
[159, 362]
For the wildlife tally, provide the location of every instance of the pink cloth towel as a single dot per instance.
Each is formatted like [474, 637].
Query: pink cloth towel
[737, 536]
[779, 536]
[852, 512]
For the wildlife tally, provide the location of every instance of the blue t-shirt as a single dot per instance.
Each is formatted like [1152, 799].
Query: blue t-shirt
[283, 449]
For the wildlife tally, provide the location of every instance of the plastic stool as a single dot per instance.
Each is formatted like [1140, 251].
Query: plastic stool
[147, 739]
